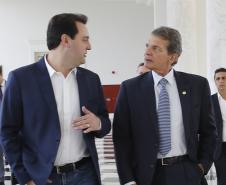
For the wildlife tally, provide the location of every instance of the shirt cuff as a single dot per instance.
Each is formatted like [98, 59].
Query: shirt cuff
[100, 126]
[130, 183]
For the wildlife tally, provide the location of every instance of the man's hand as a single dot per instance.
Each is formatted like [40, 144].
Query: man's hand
[89, 122]
[49, 181]
[31, 183]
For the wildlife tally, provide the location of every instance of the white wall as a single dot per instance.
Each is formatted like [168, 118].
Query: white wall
[118, 30]
[189, 17]
[216, 37]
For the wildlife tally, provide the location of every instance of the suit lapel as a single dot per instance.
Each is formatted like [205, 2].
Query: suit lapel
[217, 111]
[82, 88]
[217, 107]
[184, 91]
[45, 85]
[150, 92]
[148, 95]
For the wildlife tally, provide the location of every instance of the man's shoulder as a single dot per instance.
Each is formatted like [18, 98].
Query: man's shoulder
[136, 80]
[26, 73]
[87, 72]
[190, 77]
[214, 95]
[25, 70]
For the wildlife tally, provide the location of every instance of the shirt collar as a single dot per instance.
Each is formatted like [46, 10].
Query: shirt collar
[220, 97]
[169, 77]
[52, 71]
[3, 83]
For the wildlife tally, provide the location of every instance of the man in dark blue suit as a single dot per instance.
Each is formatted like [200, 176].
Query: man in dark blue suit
[219, 103]
[163, 129]
[53, 110]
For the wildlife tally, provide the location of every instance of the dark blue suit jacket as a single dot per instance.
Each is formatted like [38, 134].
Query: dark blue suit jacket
[219, 124]
[30, 128]
[135, 125]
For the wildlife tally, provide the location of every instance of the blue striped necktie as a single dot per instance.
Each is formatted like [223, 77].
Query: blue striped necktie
[164, 119]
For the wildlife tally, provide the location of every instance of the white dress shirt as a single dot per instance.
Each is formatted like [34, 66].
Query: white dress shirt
[72, 146]
[178, 143]
[222, 103]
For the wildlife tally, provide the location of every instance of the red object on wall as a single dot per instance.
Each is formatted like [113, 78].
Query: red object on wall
[110, 95]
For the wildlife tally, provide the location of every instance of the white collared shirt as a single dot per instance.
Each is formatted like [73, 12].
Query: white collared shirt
[222, 103]
[178, 143]
[72, 146]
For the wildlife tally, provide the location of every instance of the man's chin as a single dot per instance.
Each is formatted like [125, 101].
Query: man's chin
[83, 62]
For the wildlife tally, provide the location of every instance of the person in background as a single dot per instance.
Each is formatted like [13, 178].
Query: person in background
[219, 102]
[2, 87]
[53, 110]
[164, 131]
[141, 69]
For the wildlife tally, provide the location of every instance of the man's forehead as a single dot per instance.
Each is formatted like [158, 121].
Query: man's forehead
[157, 40]
[221, 74]
[82, 30]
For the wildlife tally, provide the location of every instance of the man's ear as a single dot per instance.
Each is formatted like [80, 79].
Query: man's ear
[174, 58]
[65, 40]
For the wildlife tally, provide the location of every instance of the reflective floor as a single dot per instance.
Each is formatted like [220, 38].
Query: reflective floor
[107, 161]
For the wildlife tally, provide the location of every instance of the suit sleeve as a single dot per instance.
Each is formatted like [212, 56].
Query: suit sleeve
[207, 130]
[122, 137]
[11, 123]
[102, 113]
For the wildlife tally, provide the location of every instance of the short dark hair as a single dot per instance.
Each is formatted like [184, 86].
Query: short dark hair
[219, 70]
[140, 64]
[173, 36]
[1, 70]
[63, 24]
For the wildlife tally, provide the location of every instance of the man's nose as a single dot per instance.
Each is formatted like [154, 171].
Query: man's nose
[148, 51]
[89, 46]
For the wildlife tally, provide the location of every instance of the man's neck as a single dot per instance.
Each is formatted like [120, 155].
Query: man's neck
[223, 94]
[58, 63]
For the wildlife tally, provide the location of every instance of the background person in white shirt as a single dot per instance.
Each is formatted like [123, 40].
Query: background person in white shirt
[52, 111]
[219, 102]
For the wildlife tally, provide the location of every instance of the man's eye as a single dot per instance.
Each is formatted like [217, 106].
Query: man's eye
[157, 49]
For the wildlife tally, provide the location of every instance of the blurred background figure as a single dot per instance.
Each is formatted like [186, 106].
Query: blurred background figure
[141, 69]
[2, 85]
